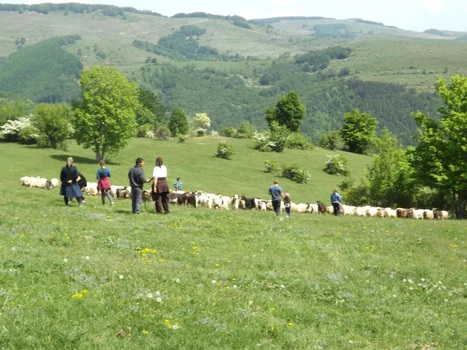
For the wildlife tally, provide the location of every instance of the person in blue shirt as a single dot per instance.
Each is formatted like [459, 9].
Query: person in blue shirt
[178, 185]
[276, 193]
[336, 202]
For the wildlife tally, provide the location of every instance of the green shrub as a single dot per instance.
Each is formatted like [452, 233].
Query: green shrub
[271, 167]
[200, 132]
[331, 140]
[294, 173]
[272, 141]
[142, 130]
[163, 132]
[224, 150]
[245, 131]
[29, 135]
[337, 165]
[228, 131]
[297, 140]
[182, 138]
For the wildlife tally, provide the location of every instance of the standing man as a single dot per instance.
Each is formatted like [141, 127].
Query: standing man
[336, 202]
[276, 193]
[137, 180]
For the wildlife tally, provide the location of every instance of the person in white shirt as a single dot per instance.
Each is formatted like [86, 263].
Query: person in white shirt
[160, 189]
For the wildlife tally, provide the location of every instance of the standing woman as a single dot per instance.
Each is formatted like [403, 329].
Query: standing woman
[70, 188]
[160, 189]
[103, 182]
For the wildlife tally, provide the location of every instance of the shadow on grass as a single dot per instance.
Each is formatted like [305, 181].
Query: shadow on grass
[80, 160]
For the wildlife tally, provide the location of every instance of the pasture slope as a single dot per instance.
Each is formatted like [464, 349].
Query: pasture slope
[75, 277]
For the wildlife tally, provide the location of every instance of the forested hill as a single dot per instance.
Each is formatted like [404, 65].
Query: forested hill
[229, 67]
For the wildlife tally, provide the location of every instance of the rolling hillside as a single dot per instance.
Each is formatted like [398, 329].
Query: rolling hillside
[392, 67]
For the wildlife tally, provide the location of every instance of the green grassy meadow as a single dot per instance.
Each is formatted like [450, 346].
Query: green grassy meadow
[74, 277]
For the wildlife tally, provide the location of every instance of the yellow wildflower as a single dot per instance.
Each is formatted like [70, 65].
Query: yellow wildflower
[77, 296]
[145, 331]
[291, 324]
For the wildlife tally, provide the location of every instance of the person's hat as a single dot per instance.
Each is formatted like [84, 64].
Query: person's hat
[287, 194]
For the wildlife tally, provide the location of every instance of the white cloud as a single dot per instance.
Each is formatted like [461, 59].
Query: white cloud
[433, 6]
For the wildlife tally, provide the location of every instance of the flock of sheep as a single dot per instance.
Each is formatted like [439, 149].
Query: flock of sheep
[218, 201]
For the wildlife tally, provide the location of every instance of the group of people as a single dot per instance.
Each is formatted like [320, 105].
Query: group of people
[276, 194]
[73, 182]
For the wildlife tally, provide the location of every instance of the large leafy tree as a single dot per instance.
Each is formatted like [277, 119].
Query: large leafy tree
[288, 112]
[105, 117]
[440, 158]
[53, 123]
[178, 123]
[389, 176]
[151, 110]
[358, 132]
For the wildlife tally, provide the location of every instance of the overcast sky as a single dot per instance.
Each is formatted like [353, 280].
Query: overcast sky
[406, 14]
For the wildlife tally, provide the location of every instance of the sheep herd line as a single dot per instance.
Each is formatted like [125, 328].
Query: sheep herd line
[218, 201]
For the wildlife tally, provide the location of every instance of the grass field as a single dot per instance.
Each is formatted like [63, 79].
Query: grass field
[74, 277]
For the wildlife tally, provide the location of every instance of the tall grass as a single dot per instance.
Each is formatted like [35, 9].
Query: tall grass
[75, 277]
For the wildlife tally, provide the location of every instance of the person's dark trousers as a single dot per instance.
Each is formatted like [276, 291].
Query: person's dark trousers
[287, 210]
[337, 208]
[276, 205]
[161, 201]
[136, 198]
[106, 193]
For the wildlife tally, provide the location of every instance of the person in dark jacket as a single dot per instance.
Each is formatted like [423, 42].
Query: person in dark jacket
[82, 183]
[137, 180]
[70, 188]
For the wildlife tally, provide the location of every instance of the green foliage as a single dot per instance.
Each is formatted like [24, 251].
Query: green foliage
[163, 132]
[439, 159]
[151, 110]
[245, 130]
[201, 121]
[29, 135]
[53, 123]
[272, 141]
[178, 123]
[319, 60]
[390, 175]
[242, 24]
[182, 138]
[358, 131]
[297, 140]
[142, 130]
[12, 128]
[105, 118]
[11, 109]
[43, 72]
[46, 8]
[295, 173]
[271, 167]
[222, 96]
[228, 131]
[331, 140]
[337, 165]
[288, 112]
[359, 195]
[225, 150]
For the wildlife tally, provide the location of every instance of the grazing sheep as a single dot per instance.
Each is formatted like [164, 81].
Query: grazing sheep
[428, 214]
[91, 191]
[235, 202]
[402, 213]
[321, 207]
[122, 193]
[147, 196]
